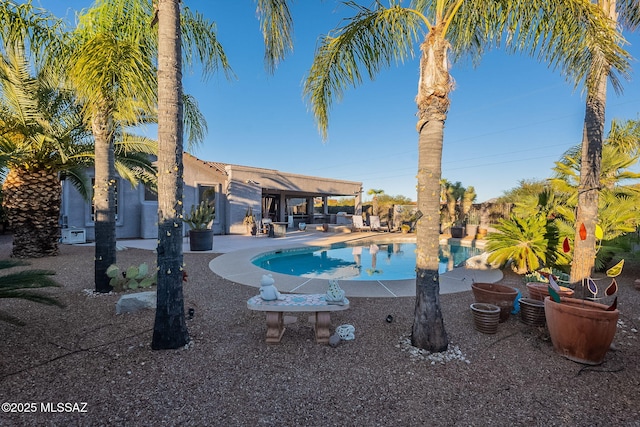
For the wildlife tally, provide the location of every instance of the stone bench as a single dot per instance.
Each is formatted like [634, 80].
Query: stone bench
[293, 303]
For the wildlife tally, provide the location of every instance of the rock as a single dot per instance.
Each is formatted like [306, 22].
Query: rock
[334, 340]
[132, 303]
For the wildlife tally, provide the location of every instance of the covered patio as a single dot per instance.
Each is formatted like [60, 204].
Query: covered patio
[285, 197]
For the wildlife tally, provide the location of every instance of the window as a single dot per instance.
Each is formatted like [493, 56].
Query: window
[150, 195]
[207, 192]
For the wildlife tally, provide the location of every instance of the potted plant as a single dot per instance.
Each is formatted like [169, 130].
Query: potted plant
[500, 295]
[199, 219]
[249, 222]
[473, 222]
[459, 201]
[582, 330]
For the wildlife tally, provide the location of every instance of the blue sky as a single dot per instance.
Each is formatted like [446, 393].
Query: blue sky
[510, 118]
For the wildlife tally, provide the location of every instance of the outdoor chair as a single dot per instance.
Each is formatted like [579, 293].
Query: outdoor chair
[264, 226]
[358, 223]
[374, 223]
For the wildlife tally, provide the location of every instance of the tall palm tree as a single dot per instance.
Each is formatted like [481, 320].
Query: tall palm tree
[557, 31]
[170, 329]
[620, 13]
[113, 68]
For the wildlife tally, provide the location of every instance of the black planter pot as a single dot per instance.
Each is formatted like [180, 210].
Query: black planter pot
[201, 240]
[457, 232]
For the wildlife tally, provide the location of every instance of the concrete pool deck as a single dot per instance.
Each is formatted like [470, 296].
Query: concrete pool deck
[238, 250]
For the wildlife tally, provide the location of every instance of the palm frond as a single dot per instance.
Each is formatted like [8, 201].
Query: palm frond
[200, 41]
[277, 30]
[371, 40]
[574, 36]
[20, 285]
[78, 178]
[195, 123]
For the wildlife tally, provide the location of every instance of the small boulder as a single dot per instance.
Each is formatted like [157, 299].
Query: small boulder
[132, 303]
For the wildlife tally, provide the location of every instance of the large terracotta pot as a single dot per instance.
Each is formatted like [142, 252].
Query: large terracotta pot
[539, 291]
[580, 330]
[500, 295]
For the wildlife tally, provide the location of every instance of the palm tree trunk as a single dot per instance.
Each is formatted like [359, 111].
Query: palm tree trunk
[433, 103]
[32, 202]
[170, 329]
[428, 327]
[584, 253]
[104, 200]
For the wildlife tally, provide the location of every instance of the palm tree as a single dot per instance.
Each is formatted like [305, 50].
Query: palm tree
[42, 136]
[170, 329]
[557, 31]
[521, 241]
[375, 194]
[625, 13]
[453, 193]
[113, 69]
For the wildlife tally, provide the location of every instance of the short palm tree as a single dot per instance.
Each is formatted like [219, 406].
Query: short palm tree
[20, 284]
[561, 32]
[520, 241]
[42, 137]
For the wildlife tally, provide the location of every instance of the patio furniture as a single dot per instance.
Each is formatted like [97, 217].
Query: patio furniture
[374, 223]
[264, 227]
[358, 223]
[314, 303]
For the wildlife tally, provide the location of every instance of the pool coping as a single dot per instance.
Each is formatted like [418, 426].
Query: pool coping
[237, 267]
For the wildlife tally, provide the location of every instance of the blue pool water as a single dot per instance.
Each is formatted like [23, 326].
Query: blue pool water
[388, 261]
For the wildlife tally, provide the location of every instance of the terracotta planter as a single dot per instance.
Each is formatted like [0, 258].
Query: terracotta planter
[532, 311]
[539, 291]
[580, 330]
[471, 230]
[500, 295]
[486, 317]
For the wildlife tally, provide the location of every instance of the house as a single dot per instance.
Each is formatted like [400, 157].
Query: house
[280, 196]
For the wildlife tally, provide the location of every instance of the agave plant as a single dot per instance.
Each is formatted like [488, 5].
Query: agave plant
[21, 284]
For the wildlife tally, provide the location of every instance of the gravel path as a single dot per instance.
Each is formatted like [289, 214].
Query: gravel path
[87, 355]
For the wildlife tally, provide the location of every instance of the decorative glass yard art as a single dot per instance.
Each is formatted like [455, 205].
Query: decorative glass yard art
[589, 283]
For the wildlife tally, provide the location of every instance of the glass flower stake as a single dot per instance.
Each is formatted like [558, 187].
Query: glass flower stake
[589, 283]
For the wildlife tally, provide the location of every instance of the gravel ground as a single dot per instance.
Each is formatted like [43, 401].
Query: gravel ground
[87, 355]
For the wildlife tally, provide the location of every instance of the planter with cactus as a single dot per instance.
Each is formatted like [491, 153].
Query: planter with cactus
[200, 219]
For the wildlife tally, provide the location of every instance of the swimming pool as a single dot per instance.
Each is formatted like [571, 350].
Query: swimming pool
[374, 261]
